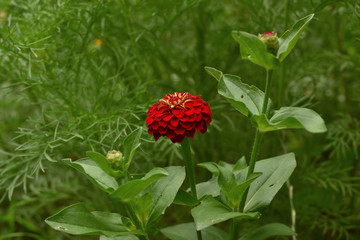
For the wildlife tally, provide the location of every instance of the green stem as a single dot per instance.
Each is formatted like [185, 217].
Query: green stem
[190, 168]
[234, 231]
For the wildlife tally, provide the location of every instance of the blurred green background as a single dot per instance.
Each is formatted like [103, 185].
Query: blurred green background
[80, 75]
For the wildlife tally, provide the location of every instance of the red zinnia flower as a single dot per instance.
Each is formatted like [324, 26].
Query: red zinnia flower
[178, 115]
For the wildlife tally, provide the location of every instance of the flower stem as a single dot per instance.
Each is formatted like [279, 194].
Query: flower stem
[234, 231]
[190, 172]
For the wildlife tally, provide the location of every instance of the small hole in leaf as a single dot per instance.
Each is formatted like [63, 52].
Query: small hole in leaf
[271, 185]
[242, 96]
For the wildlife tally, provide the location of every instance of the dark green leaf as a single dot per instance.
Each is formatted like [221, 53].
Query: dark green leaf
[187, 231]
[211, 212]
[185, 198]
[253, 49]
[240, 164]
[291, 117]
[275, 171]
[76, 219]
[94, 173]
[268, 230]
[288, 40]
[131, 189]
[131, 237]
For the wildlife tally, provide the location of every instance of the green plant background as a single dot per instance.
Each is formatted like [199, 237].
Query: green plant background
[80, 75]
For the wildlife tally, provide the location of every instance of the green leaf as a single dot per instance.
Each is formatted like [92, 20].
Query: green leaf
[214, 72]
[210, 187]
[185, 198]
[211, 167]
[291, 117]
[253, 49]
[94, 173]
[142, 207]
[129, 190]
[236, 194]
[211, 212]
[246, 99]
[187, 231]
[288, 40]
[268, 230]
[131, 143]
[76, 219]
[131, 237]
[164, 192]
[240, 164]
[102, 162]
[275, 171]
[226, 180]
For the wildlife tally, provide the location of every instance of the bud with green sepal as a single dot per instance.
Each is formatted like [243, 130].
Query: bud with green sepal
[271, 41]
[116, 160]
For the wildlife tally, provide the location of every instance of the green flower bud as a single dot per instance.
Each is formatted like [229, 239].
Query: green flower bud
[271, 41]
[116, 159]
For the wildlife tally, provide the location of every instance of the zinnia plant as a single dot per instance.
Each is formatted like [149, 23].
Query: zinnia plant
[235, 192]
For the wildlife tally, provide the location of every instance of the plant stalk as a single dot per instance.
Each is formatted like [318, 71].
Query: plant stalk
[190, 168]
[234, 231]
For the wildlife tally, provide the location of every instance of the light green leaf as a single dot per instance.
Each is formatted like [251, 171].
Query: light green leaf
[164, 192]
[210, 187]
[211, 212]
[289, 39]
[240, 164]
[76, 219]
[246, 99]
[131, 143]
[142, 207]
[102, 162]
[131, 189]
[185, 198]
[214, 72]
[291, 117]
[94, 173]
[268, 230]
[253, 49]
[275, 171]
[210, 166]
[187, 231]
[131, 237]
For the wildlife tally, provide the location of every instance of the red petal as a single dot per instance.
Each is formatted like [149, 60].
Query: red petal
[168, 117]
[190, 133]
[187, 125]
[170, 134]
[189, 112]
[174, 121]
[179, 130]
[162, 130]
[163, 124]
[204, 129]
[178, 138]
[200, 125]
[156, 136]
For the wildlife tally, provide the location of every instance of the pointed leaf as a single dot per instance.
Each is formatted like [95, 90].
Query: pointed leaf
[187, 231]
[211, 212]
[214, 72]
[131, 237]
[240, 164]
[291, 117]
[246, 99]
[101, 161]
[253, 49]
[275, 171]
[185, 198]
[268, 230]
[210, 187]
[131, 143]
[94, 173]
[289, 39]
[164, 192]
[76, 219]
[131, 189]
[210, 166]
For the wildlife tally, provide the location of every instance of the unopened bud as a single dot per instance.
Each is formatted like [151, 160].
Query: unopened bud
[271, 41]
[115, 158]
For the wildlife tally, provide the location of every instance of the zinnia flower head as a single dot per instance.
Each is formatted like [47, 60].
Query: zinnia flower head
[271, 41]
[177, 116]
